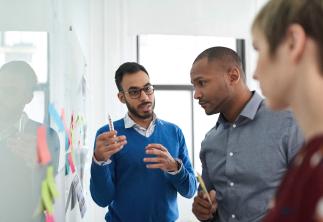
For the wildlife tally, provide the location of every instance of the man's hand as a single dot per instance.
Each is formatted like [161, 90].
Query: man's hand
[201, 207]
[163, 159]
[108, 144]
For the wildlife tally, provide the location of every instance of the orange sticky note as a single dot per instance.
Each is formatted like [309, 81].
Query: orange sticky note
[42, 147]
[70, 161]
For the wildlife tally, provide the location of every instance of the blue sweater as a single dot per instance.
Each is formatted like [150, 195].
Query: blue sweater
[135, 193]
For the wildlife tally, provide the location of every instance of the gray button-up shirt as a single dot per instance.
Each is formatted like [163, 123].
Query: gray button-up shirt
[244, 161]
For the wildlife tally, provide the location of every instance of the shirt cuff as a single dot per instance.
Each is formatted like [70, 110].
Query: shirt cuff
[180, 164]
[101, 163]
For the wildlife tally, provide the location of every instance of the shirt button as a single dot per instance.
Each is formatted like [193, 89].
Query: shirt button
[231, 184]
[234, 125]
[231, 154]
[233, 216]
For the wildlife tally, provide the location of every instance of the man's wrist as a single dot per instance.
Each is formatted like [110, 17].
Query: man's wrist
[101, 163]
[179, 167]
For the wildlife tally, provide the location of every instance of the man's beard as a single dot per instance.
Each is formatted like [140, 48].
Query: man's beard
[134, 111]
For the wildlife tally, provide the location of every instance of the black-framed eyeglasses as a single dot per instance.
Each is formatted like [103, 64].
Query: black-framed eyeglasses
[135, 93]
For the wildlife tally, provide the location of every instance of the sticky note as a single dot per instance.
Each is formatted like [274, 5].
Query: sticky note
[77, 189]
[70, 161]
[55, 116]
[51, 182]
[67, 165]
[42, 148]
[73, 197]
[49, 217]
[46, 198]
[67, 131]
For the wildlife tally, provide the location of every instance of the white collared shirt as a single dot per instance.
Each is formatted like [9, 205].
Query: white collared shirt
[128, 123]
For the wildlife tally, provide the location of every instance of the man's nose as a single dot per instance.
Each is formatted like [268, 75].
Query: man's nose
[143, 95]
[197, 94]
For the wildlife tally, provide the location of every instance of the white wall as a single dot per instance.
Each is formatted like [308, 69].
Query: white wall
[127, 18]
[17, 15]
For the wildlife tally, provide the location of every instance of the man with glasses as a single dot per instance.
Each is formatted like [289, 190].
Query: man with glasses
[139, 167]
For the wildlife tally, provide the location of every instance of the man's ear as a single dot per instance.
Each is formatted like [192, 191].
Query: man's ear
[296, 39]
[121, 97]
[234, 75]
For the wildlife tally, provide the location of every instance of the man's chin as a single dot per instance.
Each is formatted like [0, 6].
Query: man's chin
[210, 112]
[147, 115]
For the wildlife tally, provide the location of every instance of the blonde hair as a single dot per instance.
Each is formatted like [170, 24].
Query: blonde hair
[277, 15]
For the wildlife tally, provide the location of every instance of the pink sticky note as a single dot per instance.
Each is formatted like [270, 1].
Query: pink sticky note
[42, 147]
[70, 161]
[49, 217]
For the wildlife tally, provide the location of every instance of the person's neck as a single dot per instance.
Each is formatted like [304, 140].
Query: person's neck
[238, 102]
[307, 103]
[140, 121]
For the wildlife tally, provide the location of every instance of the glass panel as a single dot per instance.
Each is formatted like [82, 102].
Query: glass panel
[36, 108]
[27, 46]
[175, 106]
[168, 58]
[19, 134]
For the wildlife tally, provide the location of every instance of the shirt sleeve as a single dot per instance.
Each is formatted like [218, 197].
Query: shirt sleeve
[101, 163]
[184, 180]
[102, 185]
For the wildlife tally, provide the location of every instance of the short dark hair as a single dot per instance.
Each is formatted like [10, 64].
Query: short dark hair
[125, 69]
[20, 70]
[227, 55]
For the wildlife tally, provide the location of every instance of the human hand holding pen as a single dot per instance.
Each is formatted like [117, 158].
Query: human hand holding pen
[202, 208]
[107, 144]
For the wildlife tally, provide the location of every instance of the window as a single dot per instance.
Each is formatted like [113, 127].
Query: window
[30, 47]
[168, 59]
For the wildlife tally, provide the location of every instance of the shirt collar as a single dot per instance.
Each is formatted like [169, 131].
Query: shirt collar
[251, 108]
[249, 111]
[128, 122]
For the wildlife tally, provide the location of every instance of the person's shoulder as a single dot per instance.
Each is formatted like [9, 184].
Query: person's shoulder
[274, 119]
[34, 125]
[275, 114]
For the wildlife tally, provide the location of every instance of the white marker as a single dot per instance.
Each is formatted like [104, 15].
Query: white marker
[110, 123]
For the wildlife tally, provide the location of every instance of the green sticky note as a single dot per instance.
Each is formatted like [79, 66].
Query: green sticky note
[51, 182]
[46, 198]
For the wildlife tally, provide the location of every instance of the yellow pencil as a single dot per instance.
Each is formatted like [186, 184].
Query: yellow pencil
[199, 178]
